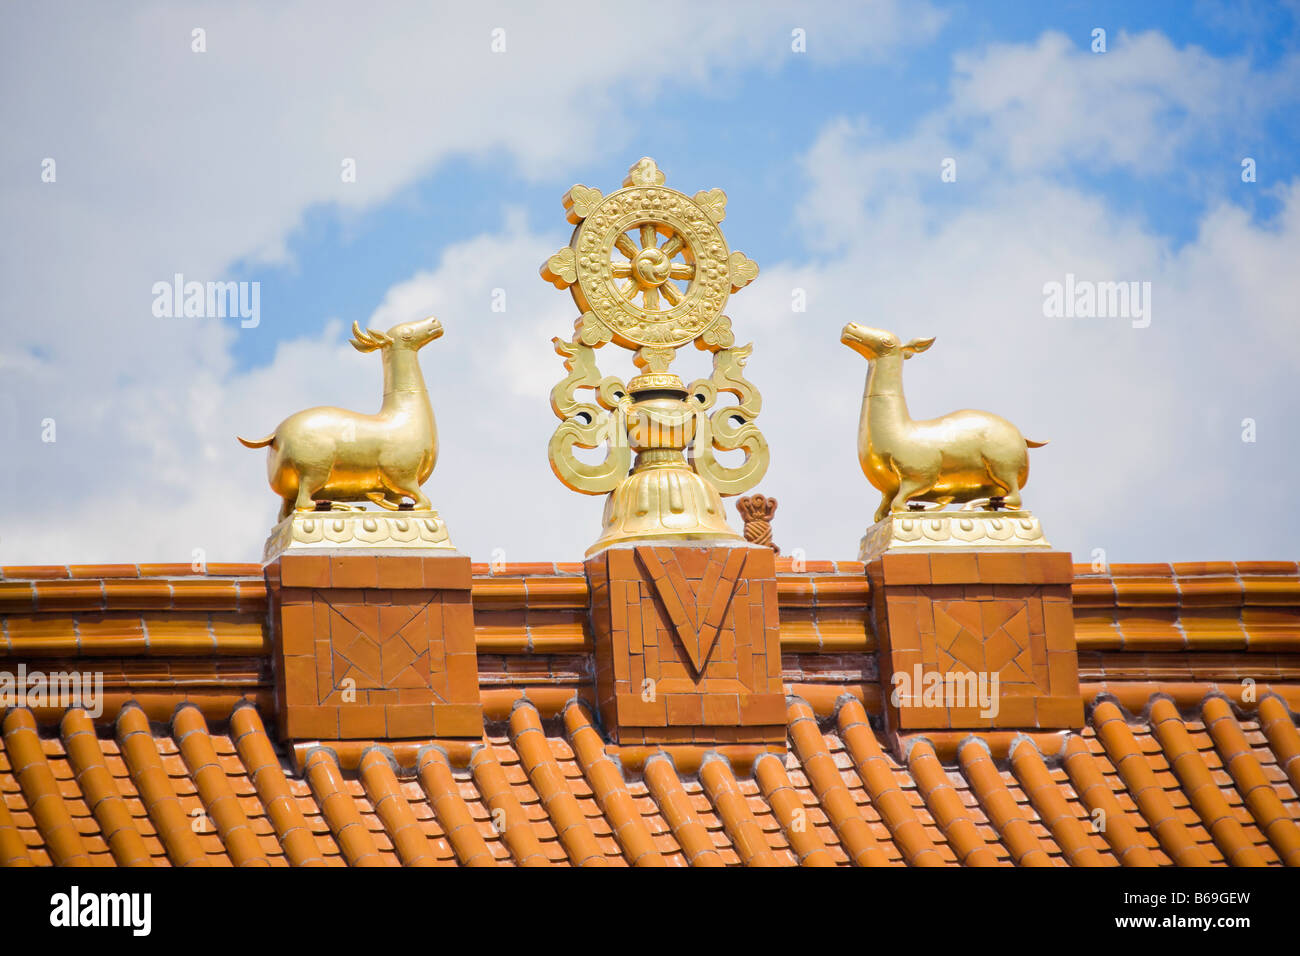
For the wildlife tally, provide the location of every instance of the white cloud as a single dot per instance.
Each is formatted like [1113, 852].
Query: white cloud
[1055, 103]
[1046, 109]
[173, 161]
[1145, 459]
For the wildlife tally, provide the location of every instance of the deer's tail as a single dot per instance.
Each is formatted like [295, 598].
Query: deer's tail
[257, 443]
[1028, 441]
[380, 500]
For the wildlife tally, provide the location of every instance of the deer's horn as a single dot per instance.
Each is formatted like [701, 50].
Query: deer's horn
[369, 340]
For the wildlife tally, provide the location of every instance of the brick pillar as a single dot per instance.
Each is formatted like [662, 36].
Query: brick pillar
[688, 646]
[371, 646]
[954, 614]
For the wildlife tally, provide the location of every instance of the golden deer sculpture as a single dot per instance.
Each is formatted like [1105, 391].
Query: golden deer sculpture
[967, 456]
[332, 455]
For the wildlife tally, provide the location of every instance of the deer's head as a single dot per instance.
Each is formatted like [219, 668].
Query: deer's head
[874, 344]
[408, 335]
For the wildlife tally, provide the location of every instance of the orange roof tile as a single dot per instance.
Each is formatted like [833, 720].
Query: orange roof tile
[1178, 763]
[1192, 786]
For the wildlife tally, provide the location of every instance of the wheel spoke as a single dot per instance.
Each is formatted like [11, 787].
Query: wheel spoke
[620, 270]
[625, 245]
[652, 299]
[673, 246]
[670, 293]
[627, 288]
[681, 270]
[649, 238]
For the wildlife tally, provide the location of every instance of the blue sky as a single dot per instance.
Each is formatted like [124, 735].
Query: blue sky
[342, 263]
[1122, 166]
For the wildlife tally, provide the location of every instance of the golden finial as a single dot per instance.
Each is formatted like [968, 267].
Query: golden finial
[967, 456]
[322, 457]
[650, 271]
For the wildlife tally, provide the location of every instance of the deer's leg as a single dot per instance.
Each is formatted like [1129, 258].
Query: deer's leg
[883, 510]
[1010, 485]
[411, 489]
[909, 486]
[308, 484]
[286, 509]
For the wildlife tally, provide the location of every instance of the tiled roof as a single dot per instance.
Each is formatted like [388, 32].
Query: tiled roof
[1206, 606]
[1182, 761]
[1205, 786]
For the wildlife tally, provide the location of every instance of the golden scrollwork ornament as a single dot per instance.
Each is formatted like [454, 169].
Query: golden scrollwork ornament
[650, 271]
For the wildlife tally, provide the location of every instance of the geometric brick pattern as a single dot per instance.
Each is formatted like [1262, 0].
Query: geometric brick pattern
[373, 647]
[687, 643]
[362, 658]
[989, 637]
[967, 617]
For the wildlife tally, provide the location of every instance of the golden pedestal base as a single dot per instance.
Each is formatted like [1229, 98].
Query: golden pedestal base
[357, 530]
[953, 531]
[670, 502]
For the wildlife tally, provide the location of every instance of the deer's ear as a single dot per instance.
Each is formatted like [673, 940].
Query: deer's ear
[917, 345]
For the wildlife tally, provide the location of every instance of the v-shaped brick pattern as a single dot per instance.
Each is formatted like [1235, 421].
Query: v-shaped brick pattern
[695, 598]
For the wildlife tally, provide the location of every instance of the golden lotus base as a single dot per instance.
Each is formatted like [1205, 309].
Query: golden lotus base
[357, 530]
[953, 531]
[664, 502]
